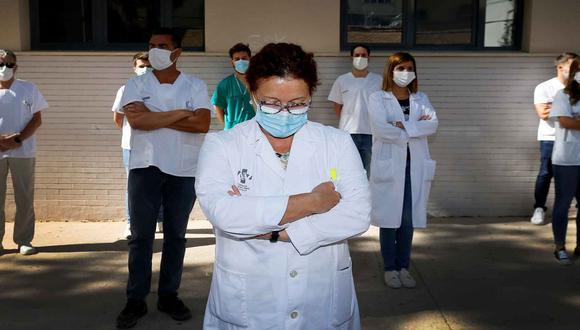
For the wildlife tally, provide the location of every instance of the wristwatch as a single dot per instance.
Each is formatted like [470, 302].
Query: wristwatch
[17, 139]
[274, 237]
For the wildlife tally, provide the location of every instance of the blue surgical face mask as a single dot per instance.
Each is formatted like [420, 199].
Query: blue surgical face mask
[241, 66]
[281, 124]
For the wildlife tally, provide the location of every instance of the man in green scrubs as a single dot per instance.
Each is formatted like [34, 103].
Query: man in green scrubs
[231, 99]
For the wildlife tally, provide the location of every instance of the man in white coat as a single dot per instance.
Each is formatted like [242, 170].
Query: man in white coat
[284, 195]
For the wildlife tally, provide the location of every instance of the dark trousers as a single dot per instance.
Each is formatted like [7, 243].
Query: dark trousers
[148, 189]
[567, 182]
[364, 145]
[396, 242]
[545, 175]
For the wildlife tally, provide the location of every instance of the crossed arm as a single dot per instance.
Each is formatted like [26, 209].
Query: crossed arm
[7, 141]
[322, 198]
[141, 118]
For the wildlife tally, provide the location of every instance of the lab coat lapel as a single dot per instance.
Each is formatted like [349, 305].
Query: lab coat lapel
[265, 152]
[300, 162]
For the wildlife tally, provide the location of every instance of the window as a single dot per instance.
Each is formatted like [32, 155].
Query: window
[113, 24]
[428, 24]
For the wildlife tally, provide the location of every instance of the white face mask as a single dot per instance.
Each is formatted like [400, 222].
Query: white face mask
[6, 73]
[577, 77]
[403, 78]
[360, 63]
[142, 71]
[160, 59]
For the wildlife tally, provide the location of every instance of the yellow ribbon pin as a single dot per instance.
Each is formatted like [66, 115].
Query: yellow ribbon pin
[333, 175]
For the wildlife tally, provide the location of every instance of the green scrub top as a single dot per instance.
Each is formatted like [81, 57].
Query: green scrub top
[234, 99]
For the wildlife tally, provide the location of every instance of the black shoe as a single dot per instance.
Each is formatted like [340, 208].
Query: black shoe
[174, 307]
[133, 311]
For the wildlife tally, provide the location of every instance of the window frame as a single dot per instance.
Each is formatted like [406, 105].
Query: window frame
[99, 26]
[408, 38]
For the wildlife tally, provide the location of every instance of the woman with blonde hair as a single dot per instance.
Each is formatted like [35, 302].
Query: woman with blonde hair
[401, 167]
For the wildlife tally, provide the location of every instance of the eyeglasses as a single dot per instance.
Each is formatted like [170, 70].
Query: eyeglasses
[292, 107]
[8, 65]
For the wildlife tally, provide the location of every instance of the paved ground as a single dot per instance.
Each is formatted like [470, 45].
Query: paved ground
[472, 274]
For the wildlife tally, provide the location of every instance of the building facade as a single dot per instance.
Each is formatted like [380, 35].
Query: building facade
[478, 60]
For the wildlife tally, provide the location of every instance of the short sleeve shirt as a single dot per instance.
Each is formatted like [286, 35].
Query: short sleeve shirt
[567, 145]
[17, 106]
[234, 99]
[126, 138]
[172, 151]
[353, 93]
[544, 93]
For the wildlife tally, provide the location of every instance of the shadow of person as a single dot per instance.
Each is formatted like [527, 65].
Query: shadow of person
[119, 246]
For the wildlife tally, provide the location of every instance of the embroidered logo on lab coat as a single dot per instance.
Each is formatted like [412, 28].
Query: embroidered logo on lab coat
[244, 178]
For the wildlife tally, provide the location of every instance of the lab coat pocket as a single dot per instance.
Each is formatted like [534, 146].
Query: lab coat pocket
[228, 297]
[429, 169]
[189, 157]
[342, 297]
[382, 171]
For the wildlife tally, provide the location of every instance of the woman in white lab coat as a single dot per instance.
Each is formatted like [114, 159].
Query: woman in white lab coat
[284, 195]
[401, 167]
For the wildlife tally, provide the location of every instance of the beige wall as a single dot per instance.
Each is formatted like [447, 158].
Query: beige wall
[551, 26]
[14, 25]
[313, 24]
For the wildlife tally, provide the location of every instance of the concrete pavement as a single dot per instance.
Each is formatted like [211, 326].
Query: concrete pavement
[472, 273]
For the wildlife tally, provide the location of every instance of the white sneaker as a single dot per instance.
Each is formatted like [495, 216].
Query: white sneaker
[406, 279]
[392, 279]
[27, 250]
[160, 227]
[127, 232]
[539, 217]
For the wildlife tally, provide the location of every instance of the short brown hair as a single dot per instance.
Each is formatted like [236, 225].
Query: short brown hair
[240, 47]
[143, 56]
[392, 62]
[282, 60]
[572, 87]
[7, 53]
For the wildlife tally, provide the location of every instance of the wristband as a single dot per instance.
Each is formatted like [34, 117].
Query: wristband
[275, 236]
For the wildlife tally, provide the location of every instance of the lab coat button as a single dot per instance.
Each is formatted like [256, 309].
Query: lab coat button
[294, 314]
[293, 273]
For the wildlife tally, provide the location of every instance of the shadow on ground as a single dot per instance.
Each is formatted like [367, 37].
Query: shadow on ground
[471, 274]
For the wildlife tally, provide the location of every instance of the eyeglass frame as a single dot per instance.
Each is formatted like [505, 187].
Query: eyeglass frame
[8, 65]
[286, 107]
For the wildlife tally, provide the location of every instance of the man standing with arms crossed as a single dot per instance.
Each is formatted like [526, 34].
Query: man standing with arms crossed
[543, 96]
[167, 109]
[350, 94]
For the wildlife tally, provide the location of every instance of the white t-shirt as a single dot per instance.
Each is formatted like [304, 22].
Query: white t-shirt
[17, 106]
[544, 93]
[173, 152]
[567, 146]
[353, 93]
[126, 138]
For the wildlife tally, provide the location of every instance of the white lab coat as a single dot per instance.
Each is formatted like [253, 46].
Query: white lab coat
[389, 158]
[306, 284]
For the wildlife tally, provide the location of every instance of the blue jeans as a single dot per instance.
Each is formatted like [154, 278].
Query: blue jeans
[545, 175]
[364, 145]
[567, 181]
[148, 189]
[396, 242]
[126, 156]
